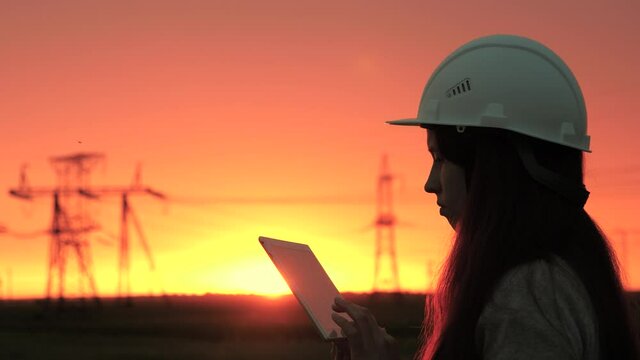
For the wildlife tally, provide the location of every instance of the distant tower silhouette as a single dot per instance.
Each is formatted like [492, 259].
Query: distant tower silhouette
[385, 230]
[622, 252]
[9, 284]
[71, 223]
[430, 276]
[622, 257]
[124, 286]
[127, 216]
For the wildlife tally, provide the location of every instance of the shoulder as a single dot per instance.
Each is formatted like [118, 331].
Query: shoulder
[538, 310]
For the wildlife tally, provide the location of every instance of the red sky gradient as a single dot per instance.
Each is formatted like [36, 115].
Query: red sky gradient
[277, 99]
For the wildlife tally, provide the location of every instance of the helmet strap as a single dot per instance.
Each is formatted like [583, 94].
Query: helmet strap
[576, 193]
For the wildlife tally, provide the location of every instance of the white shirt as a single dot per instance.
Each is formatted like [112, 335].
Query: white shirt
[539, 310]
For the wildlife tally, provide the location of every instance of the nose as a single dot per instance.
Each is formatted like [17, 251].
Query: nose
[432, 184]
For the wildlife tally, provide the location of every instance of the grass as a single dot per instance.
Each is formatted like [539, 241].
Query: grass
[191, 327]
[204, 327]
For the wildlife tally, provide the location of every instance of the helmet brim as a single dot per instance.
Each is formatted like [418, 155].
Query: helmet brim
[406, 122]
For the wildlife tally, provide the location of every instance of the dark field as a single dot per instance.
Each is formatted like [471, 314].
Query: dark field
[189, 327]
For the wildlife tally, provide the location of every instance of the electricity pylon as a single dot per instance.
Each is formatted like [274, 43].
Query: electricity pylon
[127, 215]
[623, 253]
[9, 285]
[71, 223]
[385, 229]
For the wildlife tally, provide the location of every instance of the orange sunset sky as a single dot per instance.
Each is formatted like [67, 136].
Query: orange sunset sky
[276, 100]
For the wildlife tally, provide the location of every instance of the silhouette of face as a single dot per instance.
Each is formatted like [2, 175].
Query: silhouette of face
[447, 181]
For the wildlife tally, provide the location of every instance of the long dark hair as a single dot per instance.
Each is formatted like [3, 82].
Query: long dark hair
[510, 219]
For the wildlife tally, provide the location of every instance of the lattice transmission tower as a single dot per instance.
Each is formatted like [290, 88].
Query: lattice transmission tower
[72, 224]
[385, 231]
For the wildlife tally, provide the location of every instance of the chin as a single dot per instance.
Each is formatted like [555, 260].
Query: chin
[452, 222]
[449, 221]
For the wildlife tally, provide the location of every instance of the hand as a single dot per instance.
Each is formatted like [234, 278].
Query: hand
[366, 340]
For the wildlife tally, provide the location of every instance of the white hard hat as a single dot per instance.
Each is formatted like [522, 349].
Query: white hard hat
[506, 82]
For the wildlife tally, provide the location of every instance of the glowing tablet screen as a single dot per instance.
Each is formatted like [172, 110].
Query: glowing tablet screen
[307, 280]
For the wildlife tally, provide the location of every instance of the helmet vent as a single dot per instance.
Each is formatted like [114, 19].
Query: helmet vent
[459, 88]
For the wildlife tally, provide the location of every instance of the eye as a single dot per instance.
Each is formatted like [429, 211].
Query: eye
[436, 156]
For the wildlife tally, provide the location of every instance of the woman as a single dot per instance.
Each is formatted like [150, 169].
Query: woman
[530, 275]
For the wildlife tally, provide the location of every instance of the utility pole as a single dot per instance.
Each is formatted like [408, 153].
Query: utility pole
[385, 230]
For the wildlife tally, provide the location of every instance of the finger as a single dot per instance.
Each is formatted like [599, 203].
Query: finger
[353, 344]
[347, 327]
[355, 311]
[367, 333]
[362, 317]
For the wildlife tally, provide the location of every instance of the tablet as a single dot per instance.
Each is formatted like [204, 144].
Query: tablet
[308, 281]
